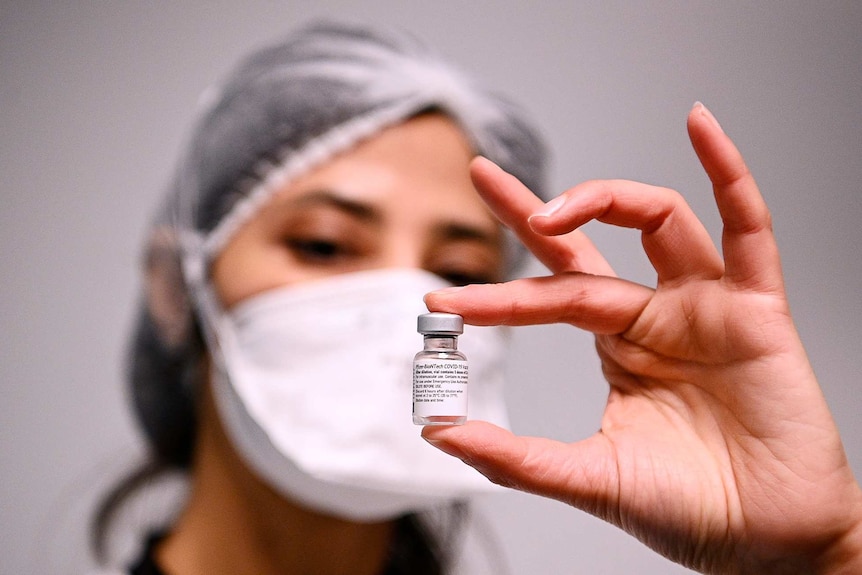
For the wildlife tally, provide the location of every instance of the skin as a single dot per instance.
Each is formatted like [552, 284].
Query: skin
[401, 199]
[716, 448]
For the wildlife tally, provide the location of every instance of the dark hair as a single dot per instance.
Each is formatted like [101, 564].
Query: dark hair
[167, 413]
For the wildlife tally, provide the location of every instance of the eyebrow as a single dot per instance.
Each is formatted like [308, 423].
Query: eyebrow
[331, 198]
[457, 231]
[451, 231]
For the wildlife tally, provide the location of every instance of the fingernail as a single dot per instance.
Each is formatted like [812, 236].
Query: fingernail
[447, 291]
[484, 160]
[704, 111]
[551, 207]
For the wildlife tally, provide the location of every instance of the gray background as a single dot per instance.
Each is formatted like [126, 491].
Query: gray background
[96, 98]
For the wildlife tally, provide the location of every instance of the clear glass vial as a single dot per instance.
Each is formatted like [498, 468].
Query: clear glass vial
[440, 372]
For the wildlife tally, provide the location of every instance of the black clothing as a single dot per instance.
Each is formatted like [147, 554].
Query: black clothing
[411, 553]
[146, 564]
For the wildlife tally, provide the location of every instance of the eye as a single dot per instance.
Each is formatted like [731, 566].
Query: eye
[466, 262]
[463, 277]
[318, 250]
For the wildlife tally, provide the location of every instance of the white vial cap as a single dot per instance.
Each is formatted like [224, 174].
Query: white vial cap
[442, 323]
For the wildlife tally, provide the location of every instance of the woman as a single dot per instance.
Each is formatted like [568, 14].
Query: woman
[325, 190]
[300, 246]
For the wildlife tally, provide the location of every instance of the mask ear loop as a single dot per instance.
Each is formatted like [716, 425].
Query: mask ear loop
[211, 315]
[208, 310]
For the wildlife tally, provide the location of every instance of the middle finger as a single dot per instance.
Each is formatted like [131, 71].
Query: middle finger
[674, 240]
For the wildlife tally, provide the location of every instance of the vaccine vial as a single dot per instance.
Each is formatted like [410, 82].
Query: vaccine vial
[440, 372]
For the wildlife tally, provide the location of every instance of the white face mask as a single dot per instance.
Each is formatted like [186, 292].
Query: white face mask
[313, 384]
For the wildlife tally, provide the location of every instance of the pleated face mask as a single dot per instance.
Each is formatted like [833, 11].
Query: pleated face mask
[313, 384]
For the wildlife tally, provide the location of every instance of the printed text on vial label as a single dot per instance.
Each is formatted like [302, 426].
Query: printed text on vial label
[440, 386]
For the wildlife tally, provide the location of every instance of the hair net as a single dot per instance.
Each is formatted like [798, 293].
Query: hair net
[284, 110]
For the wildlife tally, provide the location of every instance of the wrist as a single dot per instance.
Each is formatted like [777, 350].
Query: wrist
[845, 556]
[838, 552]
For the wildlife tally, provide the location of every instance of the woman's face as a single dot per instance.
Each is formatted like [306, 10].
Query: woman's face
[401, 199]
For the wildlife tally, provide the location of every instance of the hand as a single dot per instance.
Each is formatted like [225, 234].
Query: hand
[717, 448]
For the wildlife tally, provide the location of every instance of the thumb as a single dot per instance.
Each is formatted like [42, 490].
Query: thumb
[582, 474]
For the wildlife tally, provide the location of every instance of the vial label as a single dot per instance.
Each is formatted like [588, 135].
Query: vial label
[439, 387]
